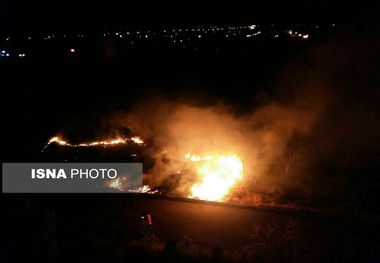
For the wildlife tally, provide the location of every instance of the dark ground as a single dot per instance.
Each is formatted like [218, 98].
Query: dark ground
[91, 228]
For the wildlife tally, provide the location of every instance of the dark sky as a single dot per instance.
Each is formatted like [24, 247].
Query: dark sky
[46, 14]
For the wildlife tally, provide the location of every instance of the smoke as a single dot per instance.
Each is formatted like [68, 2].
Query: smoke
[260, 138]
[323, 114]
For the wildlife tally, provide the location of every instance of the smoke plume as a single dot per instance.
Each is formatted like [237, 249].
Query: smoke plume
[322, 115]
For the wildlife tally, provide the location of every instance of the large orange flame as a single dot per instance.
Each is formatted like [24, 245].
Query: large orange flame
[217, 174]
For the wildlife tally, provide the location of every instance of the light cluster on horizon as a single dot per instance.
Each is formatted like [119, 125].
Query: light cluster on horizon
[180, 37]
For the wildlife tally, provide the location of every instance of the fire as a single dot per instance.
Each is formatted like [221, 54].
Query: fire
[217, 173]
[116, 141]
[121, 184]
[144, 189]
[58, 140]
[137, 140]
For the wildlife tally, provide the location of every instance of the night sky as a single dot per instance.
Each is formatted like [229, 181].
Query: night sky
[19, 15]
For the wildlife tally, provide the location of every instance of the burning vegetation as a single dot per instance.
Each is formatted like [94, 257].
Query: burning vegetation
[217, 174]
[207, 153]
[116, 141]
[282, 149]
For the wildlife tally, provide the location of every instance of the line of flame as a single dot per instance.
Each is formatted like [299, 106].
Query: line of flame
[59, 141]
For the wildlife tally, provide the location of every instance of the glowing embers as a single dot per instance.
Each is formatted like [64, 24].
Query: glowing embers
[121, 184]
[116, 141]
[216, 173]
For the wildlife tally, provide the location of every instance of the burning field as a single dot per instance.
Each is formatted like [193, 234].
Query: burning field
[215, 174]
[266, 149]
[308, 140]
[209, 152]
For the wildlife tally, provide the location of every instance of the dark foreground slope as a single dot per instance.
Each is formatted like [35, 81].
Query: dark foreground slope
[95, 228]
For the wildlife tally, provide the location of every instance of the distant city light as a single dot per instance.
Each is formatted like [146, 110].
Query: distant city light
[255, 34]
[178, 35]
[4, 53]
